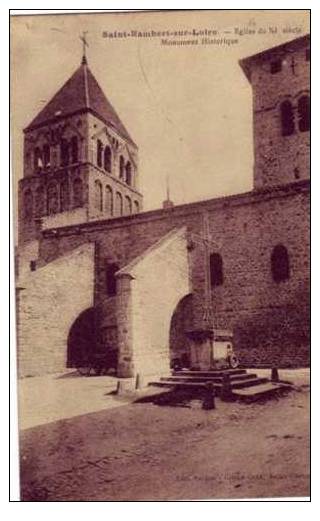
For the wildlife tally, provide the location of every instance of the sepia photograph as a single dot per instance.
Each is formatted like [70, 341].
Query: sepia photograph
[161, 219]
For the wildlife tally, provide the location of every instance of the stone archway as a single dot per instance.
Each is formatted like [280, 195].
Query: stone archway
[181, 321]
[82, 339]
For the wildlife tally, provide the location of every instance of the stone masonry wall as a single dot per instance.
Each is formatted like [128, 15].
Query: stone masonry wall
[146, 324]
[269, 319]
[280, 159]
[49, 300]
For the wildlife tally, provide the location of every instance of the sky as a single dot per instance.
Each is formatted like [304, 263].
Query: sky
[188, 108]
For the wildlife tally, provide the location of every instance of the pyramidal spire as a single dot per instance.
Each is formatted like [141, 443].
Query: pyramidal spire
[80, 93]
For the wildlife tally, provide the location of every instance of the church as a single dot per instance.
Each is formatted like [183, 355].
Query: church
[95, 273]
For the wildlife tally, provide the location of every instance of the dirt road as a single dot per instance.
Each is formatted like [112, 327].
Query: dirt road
[145, 451]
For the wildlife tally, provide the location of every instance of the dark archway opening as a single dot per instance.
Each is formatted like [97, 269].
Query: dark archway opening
[82, 340]
[181, 322]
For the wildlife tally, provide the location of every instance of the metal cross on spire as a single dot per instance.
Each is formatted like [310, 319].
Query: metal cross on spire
[85, 44]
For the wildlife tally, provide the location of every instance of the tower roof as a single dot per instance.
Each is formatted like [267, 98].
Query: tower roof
[291, 46]
[80, 93]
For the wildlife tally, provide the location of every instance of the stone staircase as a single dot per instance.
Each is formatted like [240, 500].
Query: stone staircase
[227, 383]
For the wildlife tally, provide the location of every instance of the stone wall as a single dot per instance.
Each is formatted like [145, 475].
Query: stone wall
[48, 301]
[269, 319]
[280, 159]
[149, 291]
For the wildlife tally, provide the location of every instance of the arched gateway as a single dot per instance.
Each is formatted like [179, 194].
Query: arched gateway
[82, 341]
[181, 322]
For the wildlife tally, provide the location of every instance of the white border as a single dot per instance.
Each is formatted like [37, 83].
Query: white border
[149, 509]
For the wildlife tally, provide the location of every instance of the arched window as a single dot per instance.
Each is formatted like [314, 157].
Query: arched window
[107, 159]
[46, 155]
[304, 113]
[74, 149]
[280, 263]
[118, 205]
[136, 207]
[109, 201]
[77, 193]
[111, 281]
[27, 204]
[64, 152]
[64, 196]
[52, 199]
[39, 202]
[98, 196]
[287, 119]
[38, 164]
[128, 205]
[128, 173]
[216, 269]
[121, 167]
[99, 153]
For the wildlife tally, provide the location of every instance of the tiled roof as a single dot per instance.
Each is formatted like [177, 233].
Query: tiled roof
[80, 93]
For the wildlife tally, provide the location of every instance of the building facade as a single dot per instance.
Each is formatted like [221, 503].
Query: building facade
[95, 272]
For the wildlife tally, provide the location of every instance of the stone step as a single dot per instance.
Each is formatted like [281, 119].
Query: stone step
[255, 392]
[249, 383]
[166, 382]
[213, 372]
[204, 379]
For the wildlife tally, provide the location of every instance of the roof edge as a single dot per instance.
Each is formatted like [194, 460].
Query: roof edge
[290, 45]
[56, 119]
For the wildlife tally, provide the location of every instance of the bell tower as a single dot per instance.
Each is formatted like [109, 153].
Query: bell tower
[80, 163]
[280, 80]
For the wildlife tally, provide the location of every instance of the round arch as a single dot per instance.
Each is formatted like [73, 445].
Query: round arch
[181, 322]
[82, 340]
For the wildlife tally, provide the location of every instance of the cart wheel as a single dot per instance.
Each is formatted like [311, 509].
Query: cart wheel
[233, 361]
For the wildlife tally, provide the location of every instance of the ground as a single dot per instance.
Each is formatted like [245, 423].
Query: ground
[141, 451]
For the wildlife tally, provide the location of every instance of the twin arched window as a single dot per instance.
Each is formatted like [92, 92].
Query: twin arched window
[121, 167]
[128, 206]
[99, 153]
[109, 201]
[104, 155]
[69, 151]
[98, 196]
[38, 161]
[128, 173]
[288, 118]
[118, 205]
[107, 159]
